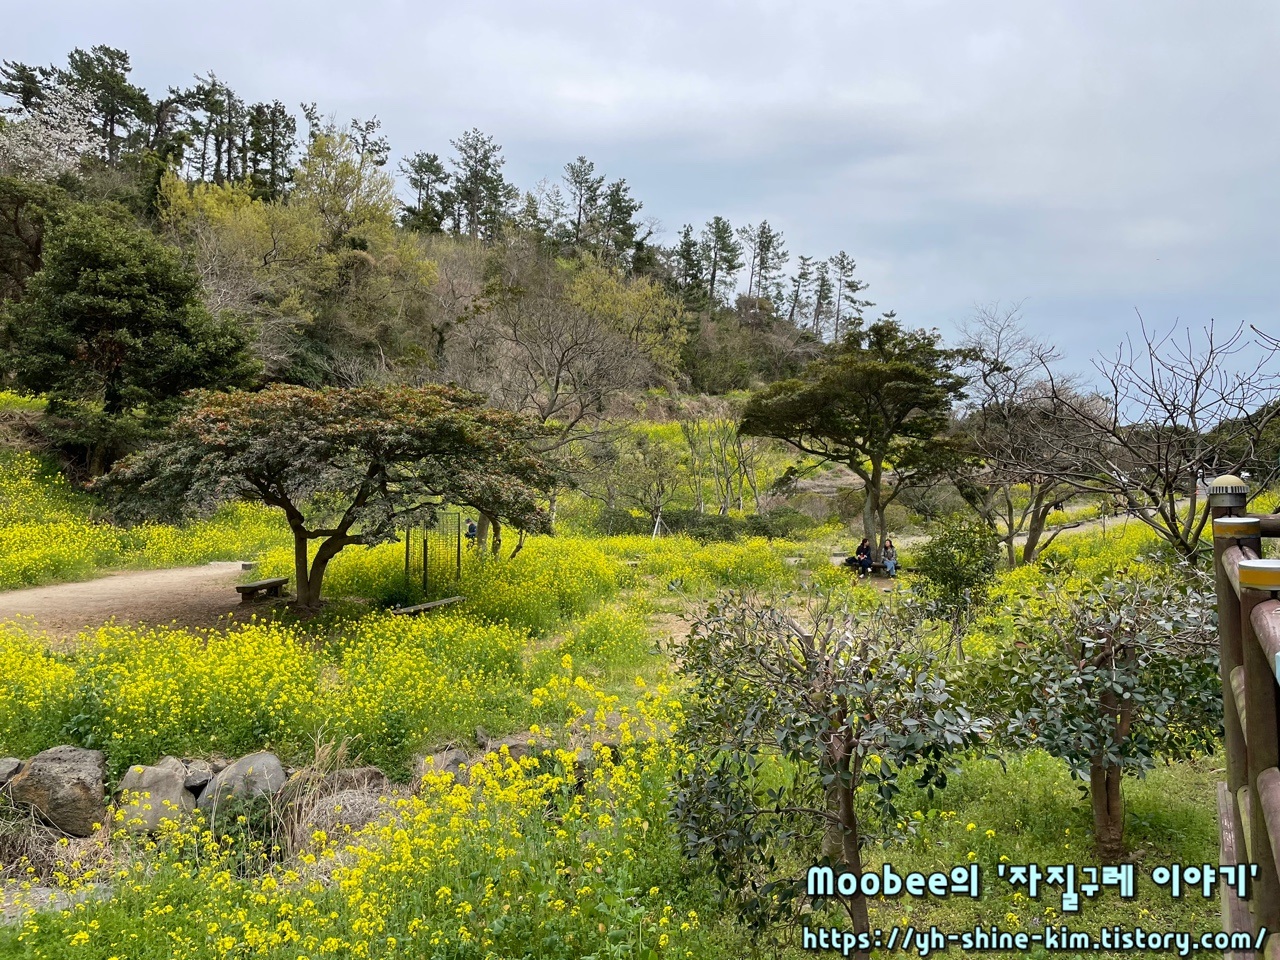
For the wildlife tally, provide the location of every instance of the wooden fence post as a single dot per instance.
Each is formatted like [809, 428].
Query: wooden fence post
[1244, 533]
[1260, 582]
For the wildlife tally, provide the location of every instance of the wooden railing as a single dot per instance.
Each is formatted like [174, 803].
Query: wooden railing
[1248, 589]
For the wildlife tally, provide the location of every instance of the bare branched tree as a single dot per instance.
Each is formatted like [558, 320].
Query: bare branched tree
[532, 351]
[1014, 474]
[1169, 414]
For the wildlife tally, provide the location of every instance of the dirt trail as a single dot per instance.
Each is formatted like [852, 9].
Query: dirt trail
[191, 596]
[1084, 526]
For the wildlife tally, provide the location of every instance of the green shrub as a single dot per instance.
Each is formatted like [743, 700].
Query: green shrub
[958, 563]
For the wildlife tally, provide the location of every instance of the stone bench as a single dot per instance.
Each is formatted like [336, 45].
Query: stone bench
[271, 587]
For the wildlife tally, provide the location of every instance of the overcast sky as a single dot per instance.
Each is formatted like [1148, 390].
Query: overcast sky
[1088, 157]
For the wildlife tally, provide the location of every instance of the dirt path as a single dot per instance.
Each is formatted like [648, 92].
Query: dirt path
[1084, 526]
[191, 596]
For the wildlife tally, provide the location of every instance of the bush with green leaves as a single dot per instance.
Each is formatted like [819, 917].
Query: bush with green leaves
[957, 567]
[958, 563]
[790, 719]
[1114, 678]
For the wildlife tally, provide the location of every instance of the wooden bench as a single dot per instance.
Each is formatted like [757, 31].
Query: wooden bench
[877, 566]
[271, 587]
[423, 607]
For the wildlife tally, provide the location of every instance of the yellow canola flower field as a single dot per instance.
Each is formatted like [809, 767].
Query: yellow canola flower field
[391, 686]
[48, 531]
[561, 854]
[552, 579]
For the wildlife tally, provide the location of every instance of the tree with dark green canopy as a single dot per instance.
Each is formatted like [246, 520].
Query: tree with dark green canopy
[26, 209]
[480, 193]
[878, 402]
[123, 108]
[113, 322]
[347, 466]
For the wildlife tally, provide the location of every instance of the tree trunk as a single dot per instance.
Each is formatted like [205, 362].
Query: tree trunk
[98, 459]
[873, 513]
[301, 565]
[551, 508]
[497, 535]
[482, 533]
[1035, 529]
[1108, 811]
[840, 844]
[869, 511]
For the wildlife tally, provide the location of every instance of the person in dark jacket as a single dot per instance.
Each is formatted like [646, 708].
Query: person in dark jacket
[863, 558]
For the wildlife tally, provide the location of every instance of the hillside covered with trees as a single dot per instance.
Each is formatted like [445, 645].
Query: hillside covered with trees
[552, 637]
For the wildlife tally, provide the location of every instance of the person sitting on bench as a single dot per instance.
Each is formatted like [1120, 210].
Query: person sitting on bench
[890, 557]
[861, 559]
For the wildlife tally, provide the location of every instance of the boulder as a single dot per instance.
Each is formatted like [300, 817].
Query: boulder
[199, 773]
[446, 761]
[65, 786]
[519, 745]
[172, 764]
[259, 774]
[149, 795]
[16, 902]
[9, 767]
[310, 781]
[369, 779]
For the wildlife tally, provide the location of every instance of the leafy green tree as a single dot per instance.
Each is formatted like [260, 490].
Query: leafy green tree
[114, 322]
[620, 240]
[346, 466]
[427, 179]
[24, 84]
[766, 256]
[798, 301]
[689, 270]
[26, 209]
[341, 177]
[847, 308]
[650, 472]
[585, 190]
[823, 301]
[790, 714]
[220, 131]
[722, 254]
[273, 137]
[1110, 680]
[123, 108]
[958, 566]
[879, 402]
[481, 195]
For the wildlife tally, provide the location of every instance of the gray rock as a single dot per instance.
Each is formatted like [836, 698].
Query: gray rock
[446, 761]
[172, 764]
[149, 795]
[256, 775]
[65, 786]
[9, 767]
[369, 779]
[519, 745]
[15, 903]
[199, 773]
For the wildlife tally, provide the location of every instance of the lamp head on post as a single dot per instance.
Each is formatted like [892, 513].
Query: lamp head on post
[1228, 491]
